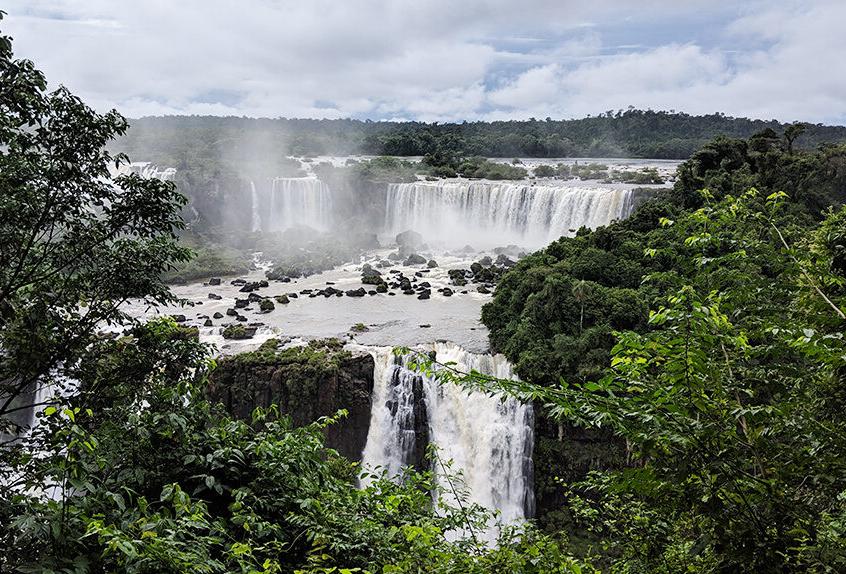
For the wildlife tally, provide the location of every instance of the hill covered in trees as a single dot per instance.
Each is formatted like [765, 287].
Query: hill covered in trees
[632, 133]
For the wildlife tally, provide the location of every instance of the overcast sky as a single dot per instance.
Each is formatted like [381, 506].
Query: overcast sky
[441, 60]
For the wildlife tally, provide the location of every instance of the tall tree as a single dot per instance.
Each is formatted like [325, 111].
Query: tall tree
[75, 240]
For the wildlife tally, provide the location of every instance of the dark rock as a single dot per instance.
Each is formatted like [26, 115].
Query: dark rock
[486, 261]
[360, 292]
[241, 303]
[219, 315]
[266, 306]
[293, 296]
[447, 292]
[483, 290]
[215, 297]
[179, 318]
[409, 239]
[306, 389]
[282, 299]
[415, 259]
[208, 323]
[241, 318]
[432, 264]
[238, 332]
[214, 281]
[263, 283]
[231, 312]
[504, 261]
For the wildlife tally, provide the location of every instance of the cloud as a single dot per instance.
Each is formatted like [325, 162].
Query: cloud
[440, 60]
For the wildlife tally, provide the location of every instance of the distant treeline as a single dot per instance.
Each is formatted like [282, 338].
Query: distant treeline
[631, 133]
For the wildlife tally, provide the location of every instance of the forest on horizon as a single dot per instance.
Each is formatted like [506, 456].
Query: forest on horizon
[629, 134]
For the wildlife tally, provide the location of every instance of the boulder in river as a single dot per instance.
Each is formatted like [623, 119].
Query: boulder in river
[409, 239]
[214, 281]
[215, 297]
[218, 315]
[360, 292]
[415, 259]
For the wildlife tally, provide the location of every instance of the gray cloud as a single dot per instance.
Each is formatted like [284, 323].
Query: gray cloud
[438, 59]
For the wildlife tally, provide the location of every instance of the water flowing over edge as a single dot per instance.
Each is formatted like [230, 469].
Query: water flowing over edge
[494, 213]
[488, 439]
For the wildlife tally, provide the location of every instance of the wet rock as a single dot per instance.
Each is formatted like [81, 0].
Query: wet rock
[266, 306]
[241, 303]
[409, 239]
[238, 332]
[241, 318]
[504, 261]
[282, 299]
[214, 281]
[425, 326]
[292, 296]
[208, 323]
[179, 318]
[432, 264]
[382, 288]
[415, 259]
[447, 292]
[483, 290]
[219, 315]
[231, 312]
[360, 292]
[215, 297]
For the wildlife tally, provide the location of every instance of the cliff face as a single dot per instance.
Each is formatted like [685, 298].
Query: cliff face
[306, 383]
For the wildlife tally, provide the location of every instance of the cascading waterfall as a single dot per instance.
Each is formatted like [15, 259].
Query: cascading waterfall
[491, 213]
[489, 440]
[256, 223]
[299, 201]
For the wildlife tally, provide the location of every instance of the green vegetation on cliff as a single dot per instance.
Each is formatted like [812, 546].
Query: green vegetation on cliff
[705, 334]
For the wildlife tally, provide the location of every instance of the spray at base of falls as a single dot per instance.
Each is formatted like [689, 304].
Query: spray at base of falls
[488, 439]
[493, 213]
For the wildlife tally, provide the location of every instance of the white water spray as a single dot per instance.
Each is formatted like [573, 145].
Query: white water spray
[488, 439]
[256, 223]
[491, 213]
[298, 201]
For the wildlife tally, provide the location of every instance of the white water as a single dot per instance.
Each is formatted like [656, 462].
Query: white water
[299, 201]
[488, 439]
[491, 213]
[256, 222]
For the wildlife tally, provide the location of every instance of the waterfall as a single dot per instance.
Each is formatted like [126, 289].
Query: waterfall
[299, 201]
[256, 215]
[492, 214]
[489, 439]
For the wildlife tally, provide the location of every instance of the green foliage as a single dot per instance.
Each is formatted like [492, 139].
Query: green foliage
[630, 133]
[729, 400]
[76, 242]
[479, 167]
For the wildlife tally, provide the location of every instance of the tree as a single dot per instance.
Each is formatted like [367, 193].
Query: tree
[76, 241]
[730, 402]
[792, 132]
